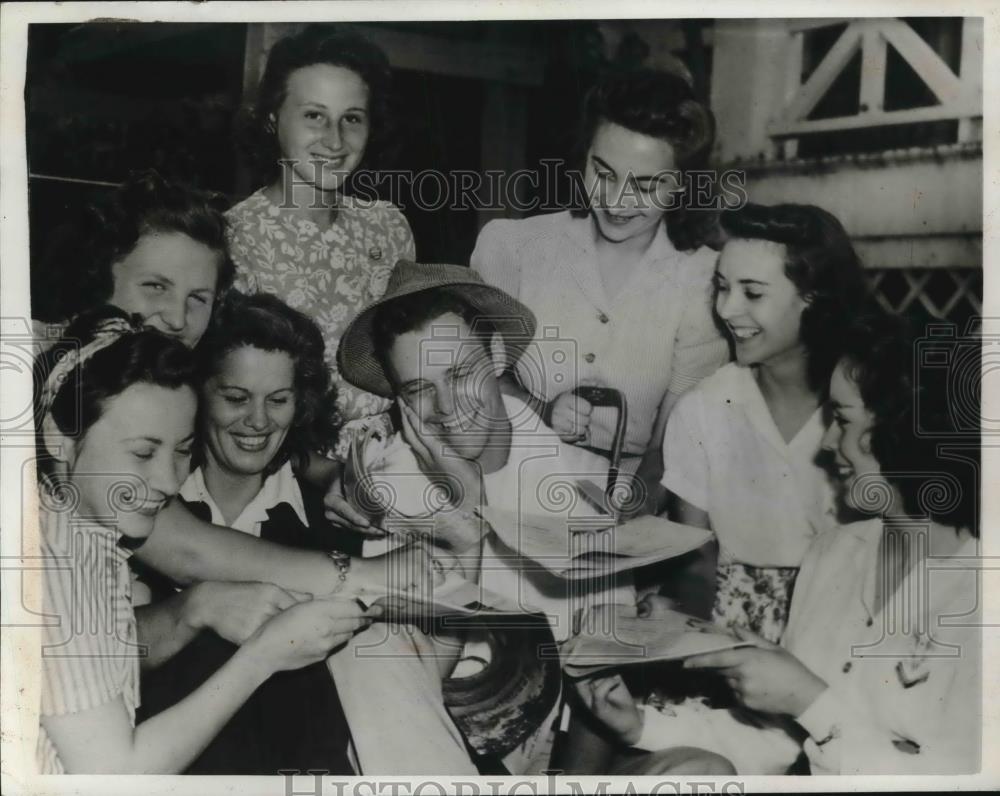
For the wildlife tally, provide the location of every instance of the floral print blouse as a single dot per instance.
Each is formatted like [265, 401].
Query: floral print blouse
[328, 273]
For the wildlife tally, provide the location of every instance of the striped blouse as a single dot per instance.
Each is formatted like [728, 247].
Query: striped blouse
[90, 652]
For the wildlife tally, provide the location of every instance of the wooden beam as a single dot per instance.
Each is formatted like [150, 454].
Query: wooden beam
[934, 113]
[971, 75]
[873, 58]
[823, 76]
[925, 62]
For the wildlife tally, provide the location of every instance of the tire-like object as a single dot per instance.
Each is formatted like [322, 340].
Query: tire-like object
[504, 704]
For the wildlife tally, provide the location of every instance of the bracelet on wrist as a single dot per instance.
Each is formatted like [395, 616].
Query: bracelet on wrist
[343, 563]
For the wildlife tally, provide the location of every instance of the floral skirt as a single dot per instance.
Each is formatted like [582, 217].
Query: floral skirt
[757, 598]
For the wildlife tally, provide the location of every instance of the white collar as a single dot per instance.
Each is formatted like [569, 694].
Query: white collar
[746, 391]
[279, 487]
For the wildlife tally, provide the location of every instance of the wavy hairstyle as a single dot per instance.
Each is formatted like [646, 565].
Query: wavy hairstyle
[109, 230]
[144, 357]
[923, 446]
[266, 322]
[316, 44]
[822, 264]
[659, 104]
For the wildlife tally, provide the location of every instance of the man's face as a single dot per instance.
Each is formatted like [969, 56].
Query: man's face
[444, 372]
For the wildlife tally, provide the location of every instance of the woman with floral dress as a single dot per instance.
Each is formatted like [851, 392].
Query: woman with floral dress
[321, 114]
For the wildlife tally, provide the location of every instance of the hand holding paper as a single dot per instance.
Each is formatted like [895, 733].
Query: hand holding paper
[613, 635]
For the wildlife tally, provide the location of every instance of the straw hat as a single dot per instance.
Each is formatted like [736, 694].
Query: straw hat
[356, 357]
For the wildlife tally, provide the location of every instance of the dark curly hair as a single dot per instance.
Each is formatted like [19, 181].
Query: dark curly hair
[662, 105]
[81, 259]
[822, 264]
[144, 357]
[923, 446]
[266, 322]
[316, 44]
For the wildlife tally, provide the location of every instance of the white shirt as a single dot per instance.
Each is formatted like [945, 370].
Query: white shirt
[904, 692]
[279, 487]
[537, 476]
[656, 334]
[766, 499]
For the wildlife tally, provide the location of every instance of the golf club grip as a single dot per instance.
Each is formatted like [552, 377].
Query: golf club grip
[608, 396]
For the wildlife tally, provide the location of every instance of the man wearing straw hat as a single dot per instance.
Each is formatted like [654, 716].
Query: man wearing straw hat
[437, 342]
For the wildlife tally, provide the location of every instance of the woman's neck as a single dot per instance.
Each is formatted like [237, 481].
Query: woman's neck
[629, 250]
[303, 200]
[232, 492]
[784, 384]
[785, 377]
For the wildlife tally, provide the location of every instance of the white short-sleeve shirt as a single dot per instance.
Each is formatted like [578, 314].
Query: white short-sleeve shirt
[766, 499]
[657, 333]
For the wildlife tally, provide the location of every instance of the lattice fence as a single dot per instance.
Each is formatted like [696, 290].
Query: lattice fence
[952, 294]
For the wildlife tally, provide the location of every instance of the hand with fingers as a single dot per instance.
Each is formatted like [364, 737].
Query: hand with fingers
[236, 610]
[308, 632]
[569, 416]
[342, 514]
[610, 701]
[764, 677]
[461, 478]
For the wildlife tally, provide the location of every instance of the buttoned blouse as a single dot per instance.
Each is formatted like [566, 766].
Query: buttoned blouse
[722, 452]
[904, 692]
[90, 650]
[657, 333]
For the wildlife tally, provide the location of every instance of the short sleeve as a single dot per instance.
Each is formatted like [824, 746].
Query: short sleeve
[685, 459]
[494, 257]
[699, 347]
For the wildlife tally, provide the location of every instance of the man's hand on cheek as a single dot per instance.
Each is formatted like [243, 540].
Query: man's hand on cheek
[460, 477]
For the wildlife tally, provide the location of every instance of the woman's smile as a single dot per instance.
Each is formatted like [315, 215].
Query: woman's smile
[251, 443]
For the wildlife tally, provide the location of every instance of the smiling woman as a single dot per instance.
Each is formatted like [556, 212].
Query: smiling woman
[740, 452]
[616, 285]
[117, 398]
[322, 113]
[154, 248]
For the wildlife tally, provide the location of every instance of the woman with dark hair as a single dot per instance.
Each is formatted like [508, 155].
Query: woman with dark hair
[880, 664]
[740, 455]
[879, 670]
[322, 114]
[263, 408]
[741, 450]
[116, 405]
[153, 247]
[622, 295]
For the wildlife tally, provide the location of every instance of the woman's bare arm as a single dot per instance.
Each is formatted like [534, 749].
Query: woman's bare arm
[188, 550]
